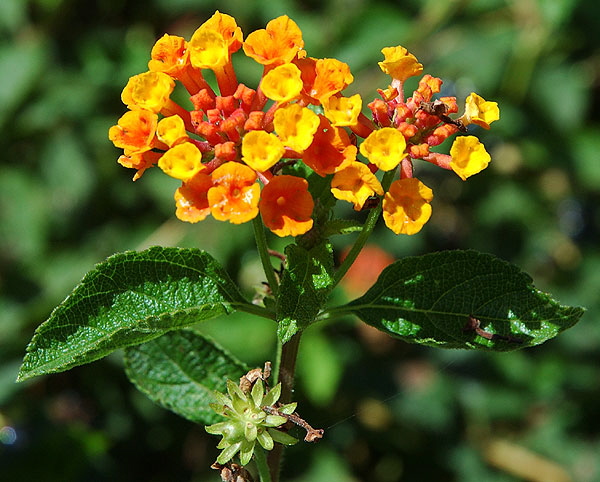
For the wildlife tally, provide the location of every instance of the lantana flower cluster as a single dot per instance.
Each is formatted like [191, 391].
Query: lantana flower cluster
[231, 147]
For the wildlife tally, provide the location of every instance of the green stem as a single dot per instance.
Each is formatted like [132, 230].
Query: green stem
[261, 464]
[263, 251]
[255, 310]
[285, 374]
[364, 234]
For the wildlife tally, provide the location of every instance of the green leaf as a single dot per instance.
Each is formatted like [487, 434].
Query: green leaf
[430, 299]
[342, 226]
[130, 298]
[180, 370]
[304, 287]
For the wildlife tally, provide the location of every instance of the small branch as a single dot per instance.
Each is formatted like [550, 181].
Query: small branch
[263, 251]
[312, 434]
[364, 234]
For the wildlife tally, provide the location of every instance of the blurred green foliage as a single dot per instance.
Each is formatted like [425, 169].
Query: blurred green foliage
[391, 411]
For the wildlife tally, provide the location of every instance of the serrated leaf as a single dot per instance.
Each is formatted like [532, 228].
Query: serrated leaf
[180, 370]
[430, 299]
[304, 287]
[130, 298]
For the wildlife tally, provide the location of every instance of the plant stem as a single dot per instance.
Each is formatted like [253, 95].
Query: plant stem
[255, 310]
[285, 374]
[261, 464]
[263, 251]
[364, 234]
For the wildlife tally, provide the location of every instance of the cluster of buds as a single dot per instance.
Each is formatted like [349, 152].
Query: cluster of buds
[249, 419]
[237, 149]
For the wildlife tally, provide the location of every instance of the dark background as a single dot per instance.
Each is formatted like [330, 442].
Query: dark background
[391, 411]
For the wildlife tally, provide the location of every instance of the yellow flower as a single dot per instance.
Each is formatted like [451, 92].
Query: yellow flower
[355, 184]
[171, 130]
[148, 91]
[182, 161]
[283, 83]
[261, 150]
[296, 126]
[480, 111]
[384, 148]
[208, 49]
[399, 63]
[277, 44]
[406, 206]
[468, 156]
[343, 111]
[329, 77]
[169, 55]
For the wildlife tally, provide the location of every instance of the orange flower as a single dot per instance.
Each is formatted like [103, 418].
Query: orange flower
[235, 194]
[355, 184]
[323, 78]
[286, 206]
[191, 199]
[211, 47]
[169, 55]
[278, 44]
[331, 149]
[134, 131]
[406, 206]
[228, 28]
[140, 161]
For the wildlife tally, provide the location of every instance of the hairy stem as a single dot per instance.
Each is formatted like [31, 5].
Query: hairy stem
[261, 464]
[284, 373]
[263, 251]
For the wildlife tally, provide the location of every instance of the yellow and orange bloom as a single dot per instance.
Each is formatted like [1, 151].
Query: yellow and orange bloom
[331, 149]
[135, 131]
[235, 193]
[191, 199]
[286, 206]
[277, 44]
[355, 183]
[406, 206]
[468, 156]
[233, 138]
